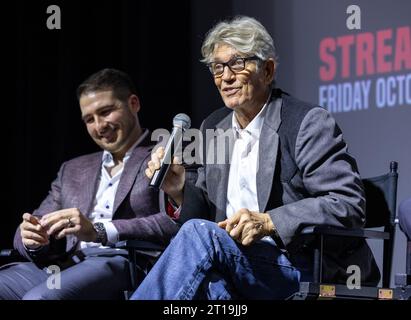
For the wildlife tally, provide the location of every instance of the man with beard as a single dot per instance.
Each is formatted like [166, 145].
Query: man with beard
[96, 200]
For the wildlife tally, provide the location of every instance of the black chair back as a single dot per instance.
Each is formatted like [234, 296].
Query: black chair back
[381, 203]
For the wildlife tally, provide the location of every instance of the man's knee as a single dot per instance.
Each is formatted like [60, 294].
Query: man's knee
[5, 291]
[203, 230]
[17, 278]
[42, 292]
[198, 225]
[50, 289]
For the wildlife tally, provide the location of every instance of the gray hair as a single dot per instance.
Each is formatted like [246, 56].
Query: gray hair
[244, 34]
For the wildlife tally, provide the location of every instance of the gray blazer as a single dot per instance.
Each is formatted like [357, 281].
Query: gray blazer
[306, 177]
[136, 207]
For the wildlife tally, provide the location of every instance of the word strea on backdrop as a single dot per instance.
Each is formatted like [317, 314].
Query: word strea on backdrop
[379, 62]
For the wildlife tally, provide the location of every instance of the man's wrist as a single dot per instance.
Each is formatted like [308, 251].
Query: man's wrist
[270, 227]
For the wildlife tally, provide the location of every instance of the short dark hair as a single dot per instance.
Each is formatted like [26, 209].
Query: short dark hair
[108, 79]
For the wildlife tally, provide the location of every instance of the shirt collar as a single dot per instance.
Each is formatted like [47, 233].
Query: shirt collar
[108, 160]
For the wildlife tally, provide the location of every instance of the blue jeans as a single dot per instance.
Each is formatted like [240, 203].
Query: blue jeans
[204, 262]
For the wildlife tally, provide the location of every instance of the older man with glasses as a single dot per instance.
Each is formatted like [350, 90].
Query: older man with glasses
[288, 167]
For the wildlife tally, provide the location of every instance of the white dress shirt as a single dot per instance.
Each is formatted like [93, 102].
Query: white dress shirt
[242, 181]
[106, 193]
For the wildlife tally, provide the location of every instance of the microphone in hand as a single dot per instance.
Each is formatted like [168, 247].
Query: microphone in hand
[181, 122]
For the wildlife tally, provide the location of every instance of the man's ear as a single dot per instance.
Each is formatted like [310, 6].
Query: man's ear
[134, 103]
[269, 70]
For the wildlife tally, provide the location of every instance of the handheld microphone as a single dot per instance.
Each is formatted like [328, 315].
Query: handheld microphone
[181, 122]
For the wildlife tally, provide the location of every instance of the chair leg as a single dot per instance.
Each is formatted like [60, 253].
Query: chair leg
[318, 261]
[132, 266]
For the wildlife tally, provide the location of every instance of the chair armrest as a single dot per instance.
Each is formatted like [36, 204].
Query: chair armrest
[343, 232]
[10, 253]
[145, 248]
[140, 245]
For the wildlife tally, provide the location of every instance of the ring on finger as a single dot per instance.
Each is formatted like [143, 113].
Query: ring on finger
[70, 223]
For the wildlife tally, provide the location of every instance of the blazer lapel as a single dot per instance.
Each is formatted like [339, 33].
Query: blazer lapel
[223, 148]
[89, 182]
[86, 190]
[130, 172]
[268, 151]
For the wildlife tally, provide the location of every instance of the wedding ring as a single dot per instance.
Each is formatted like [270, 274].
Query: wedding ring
[70, 224]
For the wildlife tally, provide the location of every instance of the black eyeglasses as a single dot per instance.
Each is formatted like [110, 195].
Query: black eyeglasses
[235, 64]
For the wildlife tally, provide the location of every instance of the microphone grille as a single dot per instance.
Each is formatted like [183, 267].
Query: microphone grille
[182, 120]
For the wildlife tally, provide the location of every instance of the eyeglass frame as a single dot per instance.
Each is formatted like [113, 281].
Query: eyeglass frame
[226, 64]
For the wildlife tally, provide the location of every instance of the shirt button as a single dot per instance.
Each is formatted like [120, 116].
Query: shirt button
[110, 184]
[107, 207]
[101, 215]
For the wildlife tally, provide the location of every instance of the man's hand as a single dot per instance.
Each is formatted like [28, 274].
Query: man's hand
[69, 221]
[174, 181]
[246, 227]
[32, 233]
